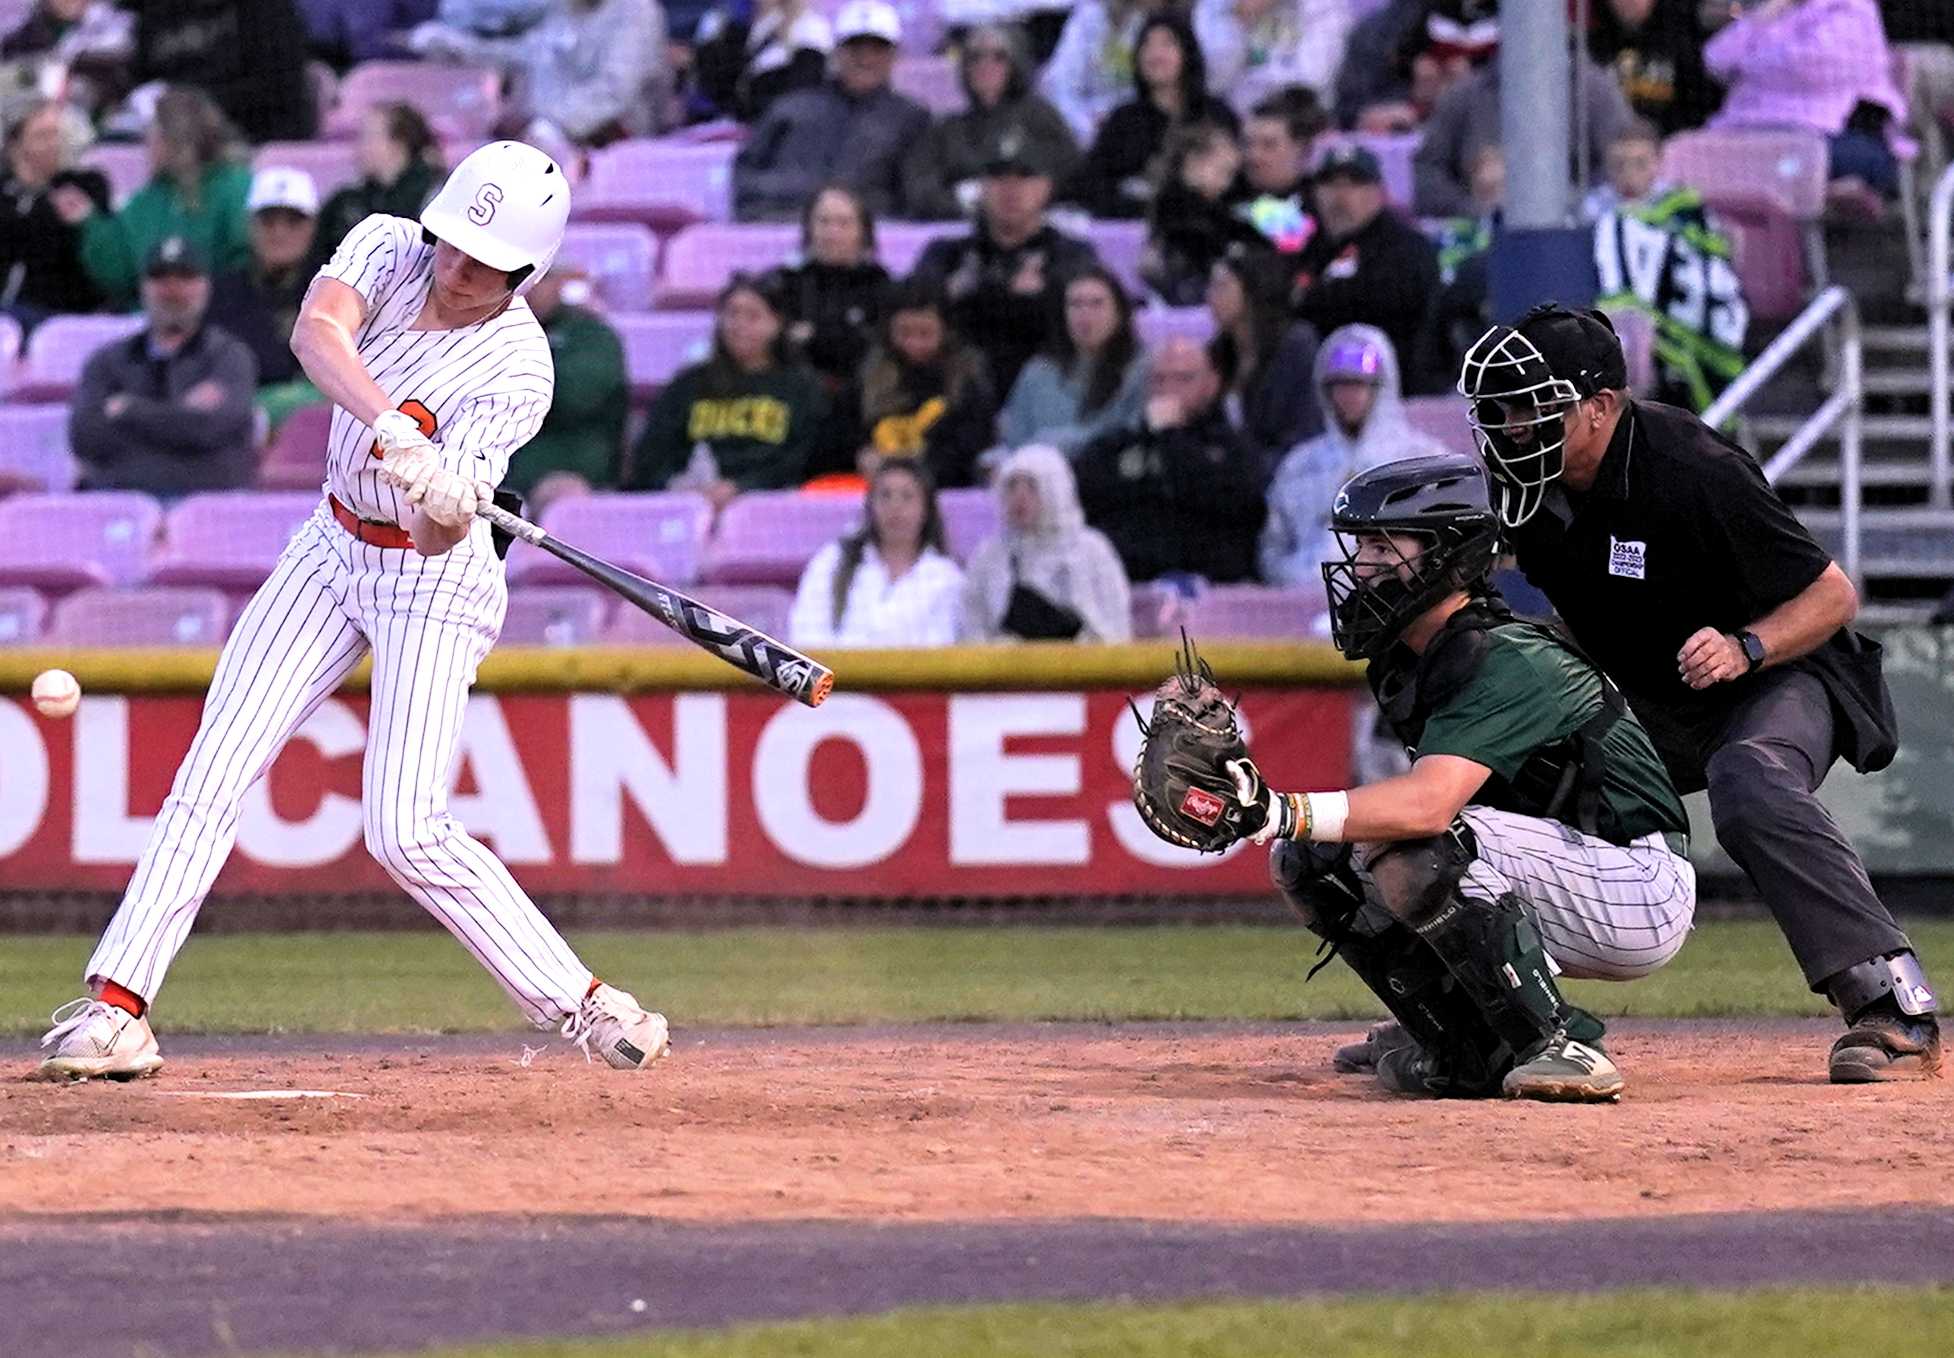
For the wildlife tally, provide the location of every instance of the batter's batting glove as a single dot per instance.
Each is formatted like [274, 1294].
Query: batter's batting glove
[411, 468]
[452, 499]
[397, 429]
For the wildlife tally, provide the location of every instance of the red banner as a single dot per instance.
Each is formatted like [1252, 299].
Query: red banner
[738, 794]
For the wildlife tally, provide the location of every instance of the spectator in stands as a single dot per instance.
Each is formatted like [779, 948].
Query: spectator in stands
[90, 41]
[1122, 169]
[1256, 48]
[1357, 382]
[943, 176]
[248, 55]
[583, 435]
[892, 583]
[493, 18]
[1818, 64]
[1366, 265]
[1655, 49]
[745, 58]
[41, 271]
[1191, 223]
[1265, 356]
[744, 419]
[1090, 378]
[197, 191]
[1466, 119]
[1463, 308]
[400, 170]
[925, 393]
[1278, 144]
[834, 295]
[168, 410]
[1006, 279]
[1046, 576]
[1401, 58]
[1923, 34]
[852, 130]
[344, 33]
[1091, 71]
[1179, 493]
[592, 70]
[259, 303]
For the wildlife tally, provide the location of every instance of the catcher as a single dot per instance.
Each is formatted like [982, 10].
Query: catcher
[1535, 833]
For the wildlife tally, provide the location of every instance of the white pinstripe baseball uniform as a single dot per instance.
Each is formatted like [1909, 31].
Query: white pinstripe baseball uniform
[483, 390]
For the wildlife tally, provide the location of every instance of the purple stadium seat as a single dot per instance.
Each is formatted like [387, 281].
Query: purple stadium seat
[1442, 417]
[1394, 156]
[699, 259]
[620, 257]
[1253, 611]
[1120, 246]
[900, 244]
[549, 615]
[230, 539]
[63, 542]
[766, 537]
[9, 352]
[656, 534]
[332, 164]
[1157, 324]
[58, 349]
[1637, 330]
[34, 446]
[459, 101]
[969, 516]
[762, 608]
[666, 184]
[931, 81]
[140, 617]
[124, 164]
[296, 459]
[1157, 610]
[658, 343]
[22, 613]
[1767, 189]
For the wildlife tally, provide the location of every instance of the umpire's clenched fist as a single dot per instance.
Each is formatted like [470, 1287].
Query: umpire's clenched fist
[1711, 657]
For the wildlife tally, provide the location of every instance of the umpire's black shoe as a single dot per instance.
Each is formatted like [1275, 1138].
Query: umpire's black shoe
[1884, 1044]
[1361, 1058]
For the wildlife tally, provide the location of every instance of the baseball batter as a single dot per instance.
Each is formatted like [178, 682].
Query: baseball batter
[418, 333]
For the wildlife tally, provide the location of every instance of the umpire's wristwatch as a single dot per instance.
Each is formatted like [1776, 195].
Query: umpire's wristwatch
[1753, 649]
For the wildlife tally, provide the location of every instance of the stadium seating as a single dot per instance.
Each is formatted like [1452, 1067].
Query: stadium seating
[296, 457]
[1157, 610]
[970, 515]
[124, 164]
[657, 344]
[23, 613]
[1252, 612]
[228, 540]
[332, 164]
[65, 542]
[1120, 246]
[1157, 324]
[700, 259]
[34, 446]
[759, 607]
[60, 347]
[1395, 155]
[931, 81]
[1442, 417]
[458, 101]
[140, 617]
[664, 183]
[1768, 191]
[621, 259]
[766, 537]
[656, 534]
[551, 615]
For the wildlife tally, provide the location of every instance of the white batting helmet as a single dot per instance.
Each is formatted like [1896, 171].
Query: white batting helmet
[506, 204]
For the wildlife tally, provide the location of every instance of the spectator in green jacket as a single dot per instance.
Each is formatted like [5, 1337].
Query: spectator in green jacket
[583, 434]
[197, 193]
[400, 169]
[745, 419]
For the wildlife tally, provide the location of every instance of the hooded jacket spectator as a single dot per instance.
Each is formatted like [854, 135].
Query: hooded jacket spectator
[1051, 579]
[941, 176]
[1257, 47]
[249, 57]
[1296, 541]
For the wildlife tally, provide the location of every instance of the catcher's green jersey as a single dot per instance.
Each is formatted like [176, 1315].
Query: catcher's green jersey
[1531, 692]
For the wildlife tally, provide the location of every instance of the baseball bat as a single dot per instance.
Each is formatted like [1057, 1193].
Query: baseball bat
[778, 666]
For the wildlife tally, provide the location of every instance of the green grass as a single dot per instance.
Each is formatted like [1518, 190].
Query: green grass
[424, 982]
[1808, 1323]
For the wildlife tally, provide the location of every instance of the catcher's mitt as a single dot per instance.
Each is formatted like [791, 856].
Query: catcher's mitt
[1181, 781]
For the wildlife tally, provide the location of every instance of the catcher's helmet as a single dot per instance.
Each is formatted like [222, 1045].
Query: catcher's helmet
[506, 204]
[1379, 587]
[1521, 381]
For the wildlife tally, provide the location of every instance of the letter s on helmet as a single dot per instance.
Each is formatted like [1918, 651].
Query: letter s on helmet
[506, 205]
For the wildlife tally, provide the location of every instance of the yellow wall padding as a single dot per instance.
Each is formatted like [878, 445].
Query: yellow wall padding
[1034, 665]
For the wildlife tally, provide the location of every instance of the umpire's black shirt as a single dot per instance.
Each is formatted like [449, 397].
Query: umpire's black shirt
[1680, 531]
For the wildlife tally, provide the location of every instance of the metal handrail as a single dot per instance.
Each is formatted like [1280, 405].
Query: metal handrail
[1940, 303]
[1844, 409]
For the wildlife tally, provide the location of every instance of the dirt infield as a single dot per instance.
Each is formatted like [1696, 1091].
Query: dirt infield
[807, 1148]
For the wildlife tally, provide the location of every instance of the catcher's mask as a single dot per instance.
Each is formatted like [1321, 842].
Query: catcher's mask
[1521, 382]
[1411, 533]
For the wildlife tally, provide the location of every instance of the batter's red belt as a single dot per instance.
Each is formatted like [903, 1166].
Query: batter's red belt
[366, 530]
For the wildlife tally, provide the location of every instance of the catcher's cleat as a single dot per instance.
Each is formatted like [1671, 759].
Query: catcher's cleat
[1409, 1070]
[1884, 1045]
[1358, 1058]
[1562, 1070]
[612, 1025]
[93, 1040]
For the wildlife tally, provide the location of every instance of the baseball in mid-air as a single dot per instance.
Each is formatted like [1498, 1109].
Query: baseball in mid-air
[56, 693]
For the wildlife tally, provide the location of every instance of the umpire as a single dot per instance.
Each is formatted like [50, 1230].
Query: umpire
[1678, 568]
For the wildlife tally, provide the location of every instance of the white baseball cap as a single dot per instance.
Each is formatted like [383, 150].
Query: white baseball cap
[868, 19]
[279, 186]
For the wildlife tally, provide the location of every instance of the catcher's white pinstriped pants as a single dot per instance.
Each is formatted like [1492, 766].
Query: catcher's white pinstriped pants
[428, 622]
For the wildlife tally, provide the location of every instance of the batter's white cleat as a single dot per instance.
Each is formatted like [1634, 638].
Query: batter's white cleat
[94, 1040]
[613, 1025]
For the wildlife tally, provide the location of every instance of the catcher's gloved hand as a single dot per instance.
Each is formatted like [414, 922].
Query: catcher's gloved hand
[1265, 813]
[1183, 782]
